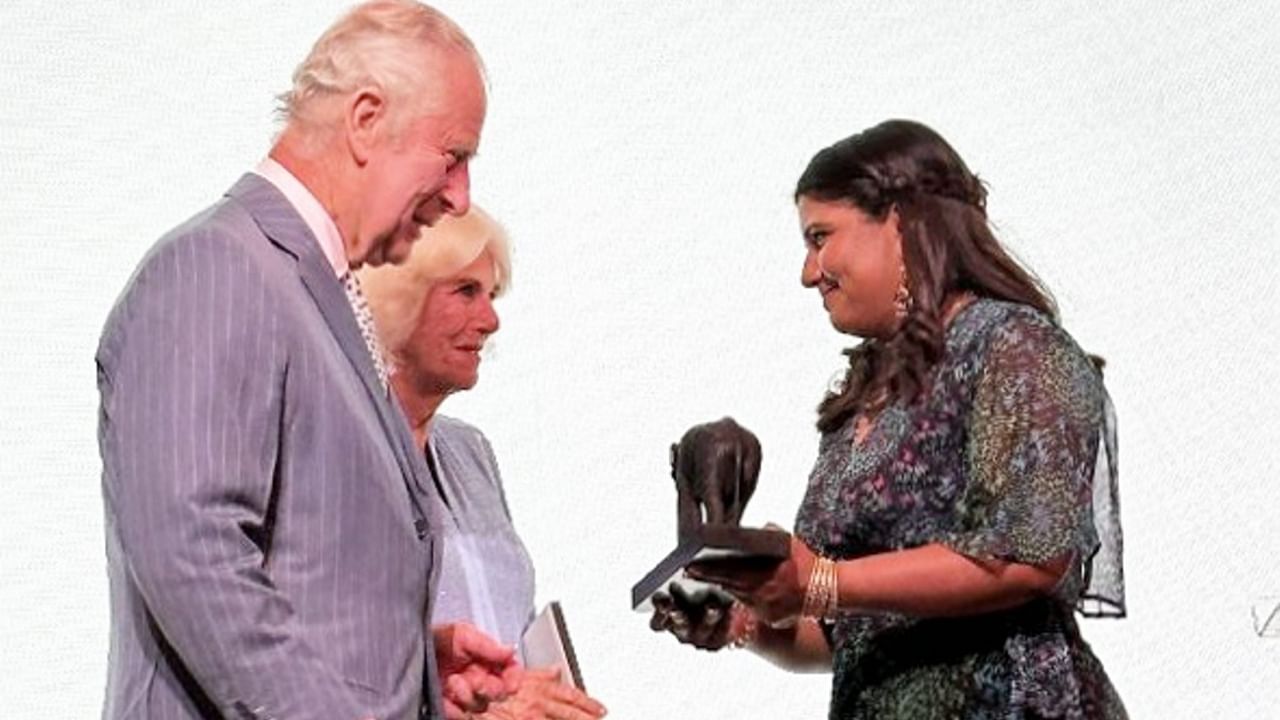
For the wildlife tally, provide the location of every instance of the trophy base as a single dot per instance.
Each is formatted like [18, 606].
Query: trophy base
[768, 547]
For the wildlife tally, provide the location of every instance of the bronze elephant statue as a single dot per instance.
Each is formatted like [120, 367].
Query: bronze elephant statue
[715, 466]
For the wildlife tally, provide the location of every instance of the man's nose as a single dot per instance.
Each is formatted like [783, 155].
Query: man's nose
[455, 198]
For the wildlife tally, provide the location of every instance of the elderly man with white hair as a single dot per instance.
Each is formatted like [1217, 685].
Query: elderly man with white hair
[272, 531]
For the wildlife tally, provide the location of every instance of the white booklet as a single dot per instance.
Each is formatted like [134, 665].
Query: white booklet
[546, 644]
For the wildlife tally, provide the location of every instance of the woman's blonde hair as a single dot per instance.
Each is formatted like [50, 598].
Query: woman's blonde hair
[396, 292]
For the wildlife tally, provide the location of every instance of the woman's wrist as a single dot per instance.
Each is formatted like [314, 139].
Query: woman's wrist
[744, 626]
[822, 592]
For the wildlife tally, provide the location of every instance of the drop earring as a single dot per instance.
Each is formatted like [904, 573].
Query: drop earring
[902, 301]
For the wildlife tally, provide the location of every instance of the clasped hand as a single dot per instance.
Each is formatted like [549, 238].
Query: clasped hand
[480, 678]
[475, 670]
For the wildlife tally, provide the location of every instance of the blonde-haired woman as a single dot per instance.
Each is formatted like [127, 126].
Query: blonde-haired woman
[434, 314]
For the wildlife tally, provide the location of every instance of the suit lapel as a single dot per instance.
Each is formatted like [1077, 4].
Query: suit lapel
[284, 227]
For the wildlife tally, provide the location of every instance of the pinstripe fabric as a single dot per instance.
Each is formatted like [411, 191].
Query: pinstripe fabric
[268, 519]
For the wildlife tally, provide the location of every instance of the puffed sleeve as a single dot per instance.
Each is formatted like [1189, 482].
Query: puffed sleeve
[1034, 431]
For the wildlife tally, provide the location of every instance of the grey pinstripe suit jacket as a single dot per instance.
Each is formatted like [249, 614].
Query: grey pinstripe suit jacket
[269, 520]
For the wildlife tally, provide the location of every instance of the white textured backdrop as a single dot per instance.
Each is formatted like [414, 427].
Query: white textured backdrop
[642, 155]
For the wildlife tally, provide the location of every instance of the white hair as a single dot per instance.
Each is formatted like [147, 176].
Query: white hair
[396, 291]
[382, 43]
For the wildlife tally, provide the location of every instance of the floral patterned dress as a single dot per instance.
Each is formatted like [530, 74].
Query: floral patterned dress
[1007, 456]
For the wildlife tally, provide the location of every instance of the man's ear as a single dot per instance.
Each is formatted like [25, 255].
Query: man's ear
[675, 452]
[365, 119]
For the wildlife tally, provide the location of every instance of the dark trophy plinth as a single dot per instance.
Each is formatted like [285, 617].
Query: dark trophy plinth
[715, 467]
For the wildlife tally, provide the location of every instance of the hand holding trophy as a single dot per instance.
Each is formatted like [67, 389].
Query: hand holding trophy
[715, 467]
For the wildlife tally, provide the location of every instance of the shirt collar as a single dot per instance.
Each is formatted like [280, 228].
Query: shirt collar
[313, 213]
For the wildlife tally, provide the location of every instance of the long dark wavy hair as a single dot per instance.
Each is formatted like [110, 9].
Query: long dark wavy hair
[947, 248]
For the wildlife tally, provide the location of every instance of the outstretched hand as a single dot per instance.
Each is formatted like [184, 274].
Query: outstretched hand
[542, 696]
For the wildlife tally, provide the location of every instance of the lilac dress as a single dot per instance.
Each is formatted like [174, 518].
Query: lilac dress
[1009, 455]
[486, 577]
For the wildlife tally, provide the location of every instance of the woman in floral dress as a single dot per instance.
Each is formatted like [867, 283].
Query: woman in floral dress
[963, 504]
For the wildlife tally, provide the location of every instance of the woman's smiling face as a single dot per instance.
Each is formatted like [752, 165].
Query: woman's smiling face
[855, 262]
[456, 319]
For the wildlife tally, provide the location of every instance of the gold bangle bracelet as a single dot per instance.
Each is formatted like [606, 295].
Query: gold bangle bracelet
[820, 596]
[833, 599]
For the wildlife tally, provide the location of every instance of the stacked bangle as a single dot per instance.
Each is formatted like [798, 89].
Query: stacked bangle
[821, 596]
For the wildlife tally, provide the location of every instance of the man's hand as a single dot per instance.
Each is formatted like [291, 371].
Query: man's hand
[542, 696]
[475, 670]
